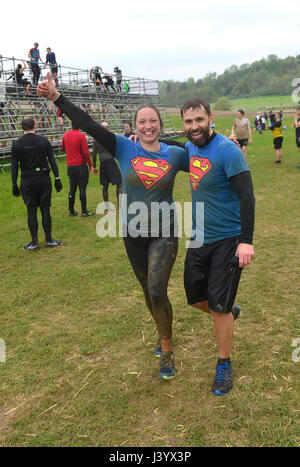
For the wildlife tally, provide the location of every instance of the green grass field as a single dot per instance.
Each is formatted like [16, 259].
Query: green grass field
[263, 103]
[80, 368]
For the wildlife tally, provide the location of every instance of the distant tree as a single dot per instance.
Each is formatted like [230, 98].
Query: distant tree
[223, 104]
[244, 67]
[272, 58]
[232, 69]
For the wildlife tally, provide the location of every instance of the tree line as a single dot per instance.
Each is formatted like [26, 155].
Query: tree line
[265, 77]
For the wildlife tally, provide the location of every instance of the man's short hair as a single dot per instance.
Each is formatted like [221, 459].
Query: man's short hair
[241, 112]
[75, 126]
[195, 103]
[27, 123]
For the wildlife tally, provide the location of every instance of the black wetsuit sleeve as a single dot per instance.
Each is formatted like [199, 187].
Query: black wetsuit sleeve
[14, 166]
[87, 124]
[51, 159]
[172, 142]
[242, 185]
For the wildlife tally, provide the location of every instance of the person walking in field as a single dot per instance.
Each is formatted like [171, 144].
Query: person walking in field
[241, 129]
[277, 137]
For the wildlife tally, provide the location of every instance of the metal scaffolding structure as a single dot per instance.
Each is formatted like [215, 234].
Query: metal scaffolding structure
[115, 106]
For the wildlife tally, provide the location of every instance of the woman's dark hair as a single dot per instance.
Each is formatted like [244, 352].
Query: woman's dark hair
[149, 106]
[195, 103]
[128, 123]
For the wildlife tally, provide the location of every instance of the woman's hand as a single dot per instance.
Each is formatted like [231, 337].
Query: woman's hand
[47, 89]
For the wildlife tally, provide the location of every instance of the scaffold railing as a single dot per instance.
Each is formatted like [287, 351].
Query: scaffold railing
[116, 104]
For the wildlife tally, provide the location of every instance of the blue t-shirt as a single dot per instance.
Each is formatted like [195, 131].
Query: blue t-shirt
[210, 169]
[148, 177]
[35, 55]
[50, 58]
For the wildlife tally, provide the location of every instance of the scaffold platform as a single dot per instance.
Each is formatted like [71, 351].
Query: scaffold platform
[115, 105]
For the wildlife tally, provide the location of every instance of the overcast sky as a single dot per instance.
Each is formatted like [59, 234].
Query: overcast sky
[158, 39]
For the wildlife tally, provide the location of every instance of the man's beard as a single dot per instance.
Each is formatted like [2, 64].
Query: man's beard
[200, 142]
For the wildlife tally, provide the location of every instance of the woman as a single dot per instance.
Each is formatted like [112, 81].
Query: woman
[128, 129]
[18, 77]
[148, 171]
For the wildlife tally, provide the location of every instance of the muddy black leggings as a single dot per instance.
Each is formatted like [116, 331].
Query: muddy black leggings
[152, 260]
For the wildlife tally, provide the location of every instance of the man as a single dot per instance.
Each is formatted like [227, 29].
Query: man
[33, 152]
[109, 170]
[220, 178]
[34, 55]
[51, 59]
[118, 74]
[78, 156]
[109, 82]
[277, 137]
[242, 129]
[297, 129]
[95, 76]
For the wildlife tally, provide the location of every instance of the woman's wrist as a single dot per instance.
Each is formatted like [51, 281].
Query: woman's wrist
[55, 97]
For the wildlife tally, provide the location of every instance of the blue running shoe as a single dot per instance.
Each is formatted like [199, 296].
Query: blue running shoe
[158, 349]
[167, 366]
[224, 376]
[236, 311]
[52, 243]
[32, 246]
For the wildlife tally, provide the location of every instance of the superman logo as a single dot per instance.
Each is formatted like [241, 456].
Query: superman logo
[150, 171]
[199, 166]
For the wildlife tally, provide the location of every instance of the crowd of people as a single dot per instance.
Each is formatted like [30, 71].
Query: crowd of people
[273, 121]
[99, 79]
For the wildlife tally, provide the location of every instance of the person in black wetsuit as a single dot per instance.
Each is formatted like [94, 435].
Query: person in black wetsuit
[33, 152]
[148, 171]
